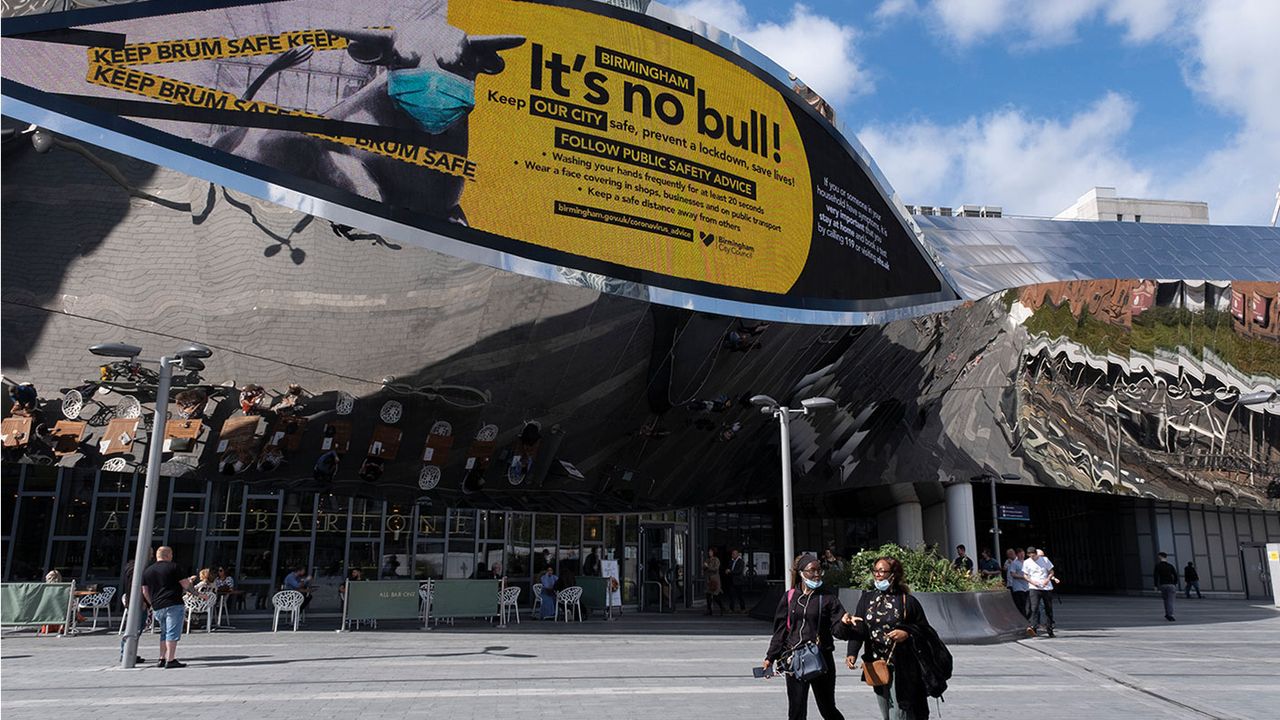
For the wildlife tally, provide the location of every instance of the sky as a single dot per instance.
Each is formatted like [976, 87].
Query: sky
[1027, 104]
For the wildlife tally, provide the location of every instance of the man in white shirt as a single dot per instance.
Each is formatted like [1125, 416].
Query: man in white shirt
[1016, 580]
[1039, 578]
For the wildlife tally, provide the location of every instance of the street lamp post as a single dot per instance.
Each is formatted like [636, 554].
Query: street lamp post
[133, 616]
[808, 406]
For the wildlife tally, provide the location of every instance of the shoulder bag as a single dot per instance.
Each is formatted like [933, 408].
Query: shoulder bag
[806, 662]
[878, 673]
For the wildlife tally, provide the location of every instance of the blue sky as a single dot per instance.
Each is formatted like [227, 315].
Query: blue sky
[1029, 103]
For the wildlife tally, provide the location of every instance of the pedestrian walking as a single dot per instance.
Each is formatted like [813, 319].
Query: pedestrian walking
[1038, 572]
[808, 618]
[734, 578]
[163, 586]
[901, 653]
[1016, 580]
[1191, 579]
[711, 569]
[1167, 583]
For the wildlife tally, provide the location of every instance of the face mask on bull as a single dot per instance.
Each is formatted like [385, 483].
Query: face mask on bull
[434, 98]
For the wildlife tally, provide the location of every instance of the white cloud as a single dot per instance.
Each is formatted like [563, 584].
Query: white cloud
[891, 9]
[1048, 22]
[820, 51]
[1028, 165]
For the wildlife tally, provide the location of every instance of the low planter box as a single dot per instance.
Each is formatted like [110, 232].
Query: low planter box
[964, 618]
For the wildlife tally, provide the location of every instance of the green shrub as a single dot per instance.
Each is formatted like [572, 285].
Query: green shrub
[924, 570]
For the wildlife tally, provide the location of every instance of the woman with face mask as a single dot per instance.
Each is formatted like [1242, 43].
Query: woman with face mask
[884, 623]
[809, 612]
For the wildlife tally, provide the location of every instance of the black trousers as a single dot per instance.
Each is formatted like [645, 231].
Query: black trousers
[824, 692]
[1020, 601]
[1034, 599]
[734, 591]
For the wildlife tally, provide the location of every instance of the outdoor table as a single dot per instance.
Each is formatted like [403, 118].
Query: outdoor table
[341, 440]
[238, 433]
[119, 436]
[67, 435]
[286, 433]
[181, 430]
[16, 432]
[385, 443]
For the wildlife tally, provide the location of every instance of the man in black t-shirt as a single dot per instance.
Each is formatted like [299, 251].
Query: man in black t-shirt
[1166, 577]
[962, 561]
[163, 586]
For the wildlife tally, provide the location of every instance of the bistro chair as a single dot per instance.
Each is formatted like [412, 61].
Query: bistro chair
[97, 602]
[196, 603]
[289, 601]
[566, 598]
[536, 591]
[509, 602]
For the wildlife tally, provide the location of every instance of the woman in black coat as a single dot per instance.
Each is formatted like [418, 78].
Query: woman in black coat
[884, 625]
[810, 612]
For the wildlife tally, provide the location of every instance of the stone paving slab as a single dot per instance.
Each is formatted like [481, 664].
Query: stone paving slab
[1113, 658]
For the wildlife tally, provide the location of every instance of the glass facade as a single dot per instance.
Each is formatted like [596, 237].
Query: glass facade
[82, 523]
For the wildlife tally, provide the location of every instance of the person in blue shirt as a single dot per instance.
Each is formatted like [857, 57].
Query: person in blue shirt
[298, 580]
[548, 584]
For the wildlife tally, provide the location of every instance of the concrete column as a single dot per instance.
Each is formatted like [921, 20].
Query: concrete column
[961, 528]
[935, 524]
[910, 523]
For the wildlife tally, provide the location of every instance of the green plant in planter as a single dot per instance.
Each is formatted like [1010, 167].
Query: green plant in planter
[923, 569]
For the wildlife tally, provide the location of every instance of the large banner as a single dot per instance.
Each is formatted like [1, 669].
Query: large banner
[571, 133]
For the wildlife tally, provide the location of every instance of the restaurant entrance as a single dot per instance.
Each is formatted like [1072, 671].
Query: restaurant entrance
[664, 562]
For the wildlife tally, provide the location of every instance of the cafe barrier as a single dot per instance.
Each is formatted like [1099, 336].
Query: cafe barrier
[381, 600]
[26, 604]
[464, 598]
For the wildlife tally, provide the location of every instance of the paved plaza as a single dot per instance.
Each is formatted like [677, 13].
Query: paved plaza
[1113, 658]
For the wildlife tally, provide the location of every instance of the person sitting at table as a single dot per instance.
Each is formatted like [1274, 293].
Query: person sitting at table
[249, 396]
[223, 583]
[298, 580]
[205, 586]
[290, 402]
[353, 575]
[191, 404]
[548, 582]
[25, 399]
[481, 572]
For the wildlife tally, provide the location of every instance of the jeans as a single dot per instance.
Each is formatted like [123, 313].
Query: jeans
[889, 708]
[1034, 599]
[1193, 584]
[170, 621]
[824, 692]
[1020, 601]
[1168, 591]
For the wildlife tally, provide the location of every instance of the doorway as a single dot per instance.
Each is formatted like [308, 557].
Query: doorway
[1257, 578]
[664, 563]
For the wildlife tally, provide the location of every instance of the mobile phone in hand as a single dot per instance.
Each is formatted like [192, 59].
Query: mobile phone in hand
[760, 672]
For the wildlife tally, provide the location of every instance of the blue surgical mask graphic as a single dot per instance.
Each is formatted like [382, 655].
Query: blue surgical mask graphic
[882, 585]
[434, 98]
[812, 584]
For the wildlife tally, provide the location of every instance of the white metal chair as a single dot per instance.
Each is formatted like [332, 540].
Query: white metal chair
[566, 598]
[97, 602]
[196, 603]
[536, 591]
[289, 601]
[509, 602]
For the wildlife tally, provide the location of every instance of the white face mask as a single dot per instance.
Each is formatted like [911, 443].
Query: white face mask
[882, 585]
[812, 584]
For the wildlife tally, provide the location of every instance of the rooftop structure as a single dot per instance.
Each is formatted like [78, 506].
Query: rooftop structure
[1101, 203]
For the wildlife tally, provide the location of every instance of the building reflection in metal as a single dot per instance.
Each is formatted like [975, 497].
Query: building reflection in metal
[584, 397]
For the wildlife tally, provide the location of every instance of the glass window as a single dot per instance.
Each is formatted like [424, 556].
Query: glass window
[294, 554]
[493, 525]
[366, 520]
[256, 559]
[40, 478]
[221, 553]
[68, 558]
[397, 535]
[429, 560]
[73, 510]
[224, 508]
[297, 515]
[10, 473]
[462, 544]
[35, 519]
[364, 555]
[592, 529]
[570, 543]
[115, 482]
[107, 547]
[544, 528]
[612, 536]
[186, 529]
